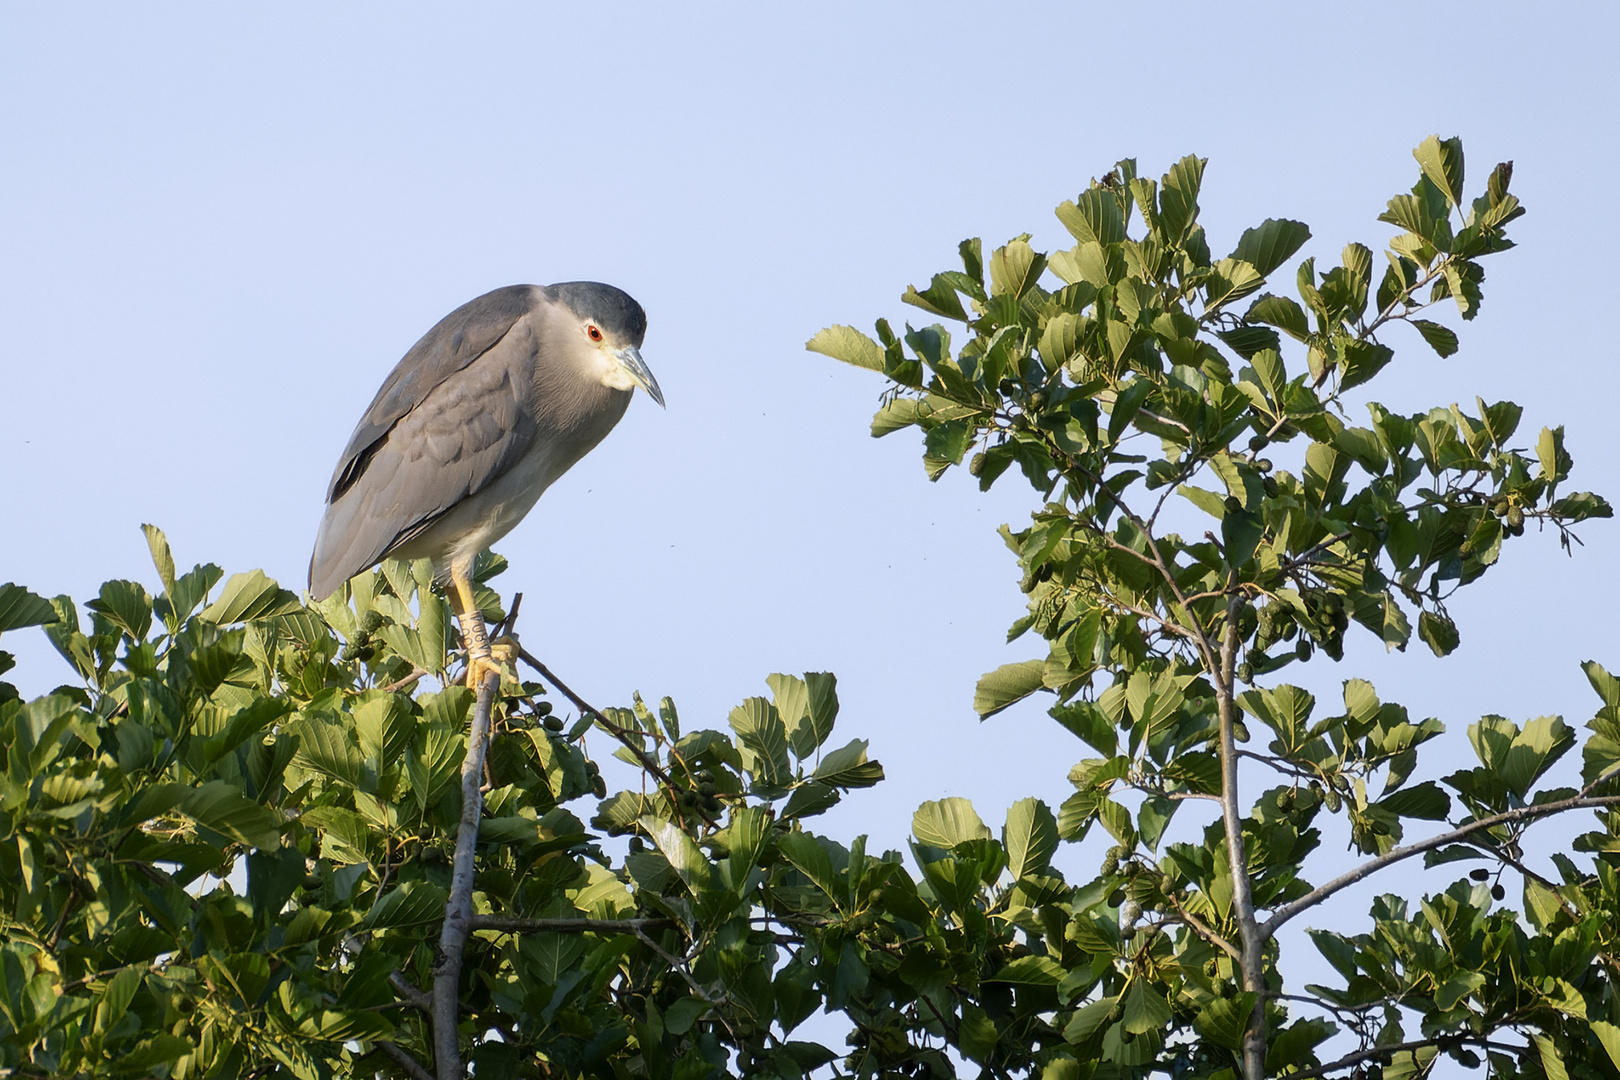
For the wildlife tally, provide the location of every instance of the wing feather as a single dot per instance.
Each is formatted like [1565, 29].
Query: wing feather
[457, 436]
[457, 340]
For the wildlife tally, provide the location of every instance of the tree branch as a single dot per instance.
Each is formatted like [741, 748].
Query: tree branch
[1395, 855]
[458, 909]
[680, 967]
[1603, 778]
[412, 996]
[1201, 639]
[647, 761]
[404, 1060]
[1251, 939]
[1380, 1052]
[1203, 930]
[633, 744]
[400, 684]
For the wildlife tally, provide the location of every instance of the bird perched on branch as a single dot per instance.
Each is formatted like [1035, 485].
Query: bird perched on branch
[498, 400]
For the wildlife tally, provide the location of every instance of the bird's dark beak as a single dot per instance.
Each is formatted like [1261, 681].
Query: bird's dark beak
[630, 359]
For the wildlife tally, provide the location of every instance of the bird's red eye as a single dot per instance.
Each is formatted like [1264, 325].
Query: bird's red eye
[595, 334]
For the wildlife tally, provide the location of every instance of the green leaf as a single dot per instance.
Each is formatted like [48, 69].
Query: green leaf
[940, 298]
[250, 596]
[792, 701]
[849, 345]
[1240, 534]
[145, 1055]
[1286, 710]
[1555, 461]
[1094, 217]
[1014, 269]
[1207, 501]
[1552, 1063]
[1230, 280]
[1178, 198]
[1088, 1018]
[128, 605]
[1223, 1020]
[1456, 988]
[327, 748]
[162, 558]
[679, 1017]
[810, 799]
[1441, 339]
[1146, 1008]
[823, 687]
[847, 767]
[806, 713]
[224, 807]
[385, 726]
[977, 1034]
[944, 823]
[1271, 243]
[20, 608]
[1534, 750]
[1397, 630]
[1061, 338]
[1425, 801]
[897, 414]
[761, 730]
[807, 854]
[1030, 971]
[1438, 632]
[1284, 314]
[1604, 684]
[1609, 1035]
[1006, 686]
[244, 724]
[1442, 163]
[684, 856]
[411, 903]
[1362, 361]
[1030, 837]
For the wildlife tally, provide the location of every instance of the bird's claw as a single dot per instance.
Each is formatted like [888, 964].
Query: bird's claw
[502, 651]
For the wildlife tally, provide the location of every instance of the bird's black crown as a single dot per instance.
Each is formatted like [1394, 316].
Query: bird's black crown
[613, 308]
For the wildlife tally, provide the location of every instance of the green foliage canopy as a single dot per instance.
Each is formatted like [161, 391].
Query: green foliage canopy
[226, 848]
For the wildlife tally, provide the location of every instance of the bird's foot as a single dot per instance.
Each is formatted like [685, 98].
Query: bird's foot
[501, 652]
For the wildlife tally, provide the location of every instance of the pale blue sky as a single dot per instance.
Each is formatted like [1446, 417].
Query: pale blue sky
[223, 224]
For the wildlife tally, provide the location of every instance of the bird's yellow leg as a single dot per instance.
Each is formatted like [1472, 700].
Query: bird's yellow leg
[483, 656]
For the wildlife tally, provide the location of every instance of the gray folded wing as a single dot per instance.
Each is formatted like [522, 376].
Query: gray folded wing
[452, 416]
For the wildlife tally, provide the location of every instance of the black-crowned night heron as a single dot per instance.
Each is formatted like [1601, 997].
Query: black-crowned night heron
[494, 403]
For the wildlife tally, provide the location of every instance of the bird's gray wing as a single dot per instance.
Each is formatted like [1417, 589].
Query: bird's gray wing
[454, 440]
[454, 342]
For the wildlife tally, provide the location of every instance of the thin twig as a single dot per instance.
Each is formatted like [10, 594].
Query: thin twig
[79, 984]
[648, 762]
[1395, 855]
[403, 1060]
[1282, 765]
[1203, 930]
[504, 627]
[400, 684]
[1381, 1052]
[1177, 796]
[61, 920]
[682, 970]
[402, 986]
[1604, 777]
[1550, 886]
[627, 738]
